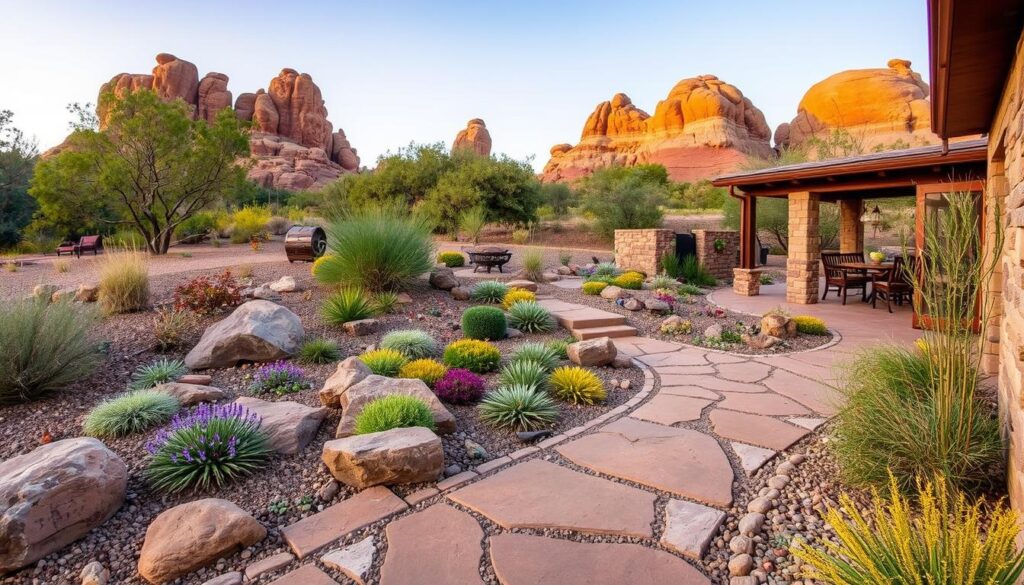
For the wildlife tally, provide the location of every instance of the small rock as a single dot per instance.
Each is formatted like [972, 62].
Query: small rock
[460, 293]
[354, 560]
[360, 327]
[529, 436]
[633, 304]
[265, 293]
[404, 298]
[714, 330]
[87, 293]
[592, 352]
[760, 341]
[453, 469]
[191, 394]
[513, 333]
[523, 284]
[443, 278]
[741, 565]
[564, 271]
[745, 580]
[624, 384]
[760, 505]
[741, 544]
[622, 361]
[285, 284]
[64, 294]
[751, 523]
[199, 379]
[797, 459]
[349, 372]
[475, 450]
[778, 482]
[611, 292]
[657, 306]
[232, 578]
[329, 491]
[95, 574]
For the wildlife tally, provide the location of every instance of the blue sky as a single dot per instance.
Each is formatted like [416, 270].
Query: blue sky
[402, 71]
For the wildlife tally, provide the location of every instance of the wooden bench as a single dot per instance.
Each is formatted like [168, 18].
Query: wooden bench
[489, 258]
[85, 244]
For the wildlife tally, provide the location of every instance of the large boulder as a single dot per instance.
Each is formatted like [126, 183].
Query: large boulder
[290, 426]
[55, 495]
[600, 351]
[778, 325]
[404, 455]
[257, 331]
[349, 372]
[474, 138]
[373, 387]
[443, 278]
[193, 535]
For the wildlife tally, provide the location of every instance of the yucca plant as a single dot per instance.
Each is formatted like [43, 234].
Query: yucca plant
[530, 317]
[319, 351]
[560, 347]
[489, 291]
[412, 343]
[385, 302]
[520, 408]
[393, 412]
[130, 413]
[384, 362]
[159, 372]
[348, 304]
[524, 373]
[378, 249]
[949, 541]
[576, 385]
[543, 354]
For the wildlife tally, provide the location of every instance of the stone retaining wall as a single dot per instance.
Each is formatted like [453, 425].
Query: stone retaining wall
[642, 249]
[718, 263]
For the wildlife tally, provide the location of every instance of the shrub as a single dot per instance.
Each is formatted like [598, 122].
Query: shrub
[459, 386]
[278, 225]
[476, 356]
[169, 328]
[319, 351]
[377, 249]
[519, 408]
[248, 223]
[484, 323]
[130, 413]
[695, 273]
[489, 291]
[348, 304]
[123, 282]
[529, 317]
[684, 327]
[428, 370]
[540, 353]
[766, 278]
[61, 266]
[385, 302]
[125, 239]
[950, 541]
[210, 446]
[244, 270]
[396, 411]
[315, 267]
[576, 385]
[520, 237]
[533, 265]
[472, 223]
[663, 281]
[560, 347]
[515, 295]
[810, 325]
[205, 295]
[278, 378]
[689, 289]
[384, 362]
[594, 287]
[605, 269]
[412, 343]
[524, 373]
[195, 228]
[451, 259]
[44, 347]
[564, 257]
[629, 280]
[159, 372]
[623, 198]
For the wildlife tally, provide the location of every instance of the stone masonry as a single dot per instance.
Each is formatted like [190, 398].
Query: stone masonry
[746, 281]
[642, 249]
[804, 249]
[851, 230]
[718, 263]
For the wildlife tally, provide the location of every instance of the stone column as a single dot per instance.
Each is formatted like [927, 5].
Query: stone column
[746, 281]
[804, 249]
[851, 230]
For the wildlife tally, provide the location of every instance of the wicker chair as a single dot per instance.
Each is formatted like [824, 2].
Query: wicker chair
[844, 280]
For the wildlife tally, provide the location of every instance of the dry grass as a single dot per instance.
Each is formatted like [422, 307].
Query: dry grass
[123, 281]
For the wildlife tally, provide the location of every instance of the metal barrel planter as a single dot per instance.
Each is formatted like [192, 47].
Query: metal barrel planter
[305, 243]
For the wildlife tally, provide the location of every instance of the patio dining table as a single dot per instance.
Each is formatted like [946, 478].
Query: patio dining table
[880, 269]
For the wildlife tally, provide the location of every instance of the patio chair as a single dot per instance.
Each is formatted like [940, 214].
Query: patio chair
[844, 280]
[896, 284]
[66, 247]
[90, 244]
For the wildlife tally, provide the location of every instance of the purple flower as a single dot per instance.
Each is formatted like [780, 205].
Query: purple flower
[459, 386]
[278, 377]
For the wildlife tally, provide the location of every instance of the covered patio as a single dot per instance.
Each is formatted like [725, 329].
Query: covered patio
[923, 172]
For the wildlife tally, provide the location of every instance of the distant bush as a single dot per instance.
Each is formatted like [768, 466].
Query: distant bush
[196, 227]
[459, 386]
[427, 370]
[530, 317]
[319, 351]
[559, 197]
[543, 354]
[594, 287]
[564, 257]
[130, 413]
[476, 356]
[412, 343]
[248, 223]
[630, 280]
[484, 323]
[699, 195]
[45, 347]
[278, 378]
[394, 412]
[124, 239]
[515, 295]
[520, 237]
[123, 282]
[159, 372]
[489, 291]
[348, 304]
[519, 408]
[384, 362]
[205, 295]
[278, 225]
[451, 259]
[624, 198]
[810, 325]
[576, 385]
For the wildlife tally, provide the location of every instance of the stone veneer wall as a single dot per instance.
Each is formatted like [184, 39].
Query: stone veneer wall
[804, 252]
[642, 249]
[721, 263]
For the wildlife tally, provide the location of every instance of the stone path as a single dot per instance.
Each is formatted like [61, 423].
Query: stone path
[634, 496]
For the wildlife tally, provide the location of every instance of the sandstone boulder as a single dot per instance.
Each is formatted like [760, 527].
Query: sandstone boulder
[87, 293]
[175, 78]
[245, 105]
[290, 426]
[396, 456]
[55, 495]
[193, 535]
[778, 325]
[592, 352]
[373, 387]
[257, 331]
[612, 292]
[474, 138]
[213, 96]
[443, 278]
[349, 372]
[461, 293]
[523, 284]
[191, 394]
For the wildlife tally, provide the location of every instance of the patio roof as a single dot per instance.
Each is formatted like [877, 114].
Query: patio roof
[884, 174]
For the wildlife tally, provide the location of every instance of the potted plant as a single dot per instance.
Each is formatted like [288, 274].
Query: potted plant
[876, 257]
[719, 245]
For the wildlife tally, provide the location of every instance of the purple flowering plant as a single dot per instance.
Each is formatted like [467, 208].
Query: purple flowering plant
[279, 378]
[459, 386]
[208, 446]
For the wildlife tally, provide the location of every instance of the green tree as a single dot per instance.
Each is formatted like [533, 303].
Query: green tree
[773, 219]
[17, 157]
[624, 198]
[559, 196]
[152, 167]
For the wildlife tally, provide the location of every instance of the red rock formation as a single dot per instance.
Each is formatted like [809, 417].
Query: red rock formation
[877, 107]
[704, 127]
[474, 137]
[294, 144]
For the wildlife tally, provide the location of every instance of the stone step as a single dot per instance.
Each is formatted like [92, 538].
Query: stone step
[609, 331]
[588, 318]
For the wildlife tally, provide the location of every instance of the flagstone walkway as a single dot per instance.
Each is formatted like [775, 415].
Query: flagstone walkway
[634, 496]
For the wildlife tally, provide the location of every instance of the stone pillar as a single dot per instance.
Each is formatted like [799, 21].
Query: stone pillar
[804, 249]
[746, 281]
[851, 229]
[642, 249]
[718, 262]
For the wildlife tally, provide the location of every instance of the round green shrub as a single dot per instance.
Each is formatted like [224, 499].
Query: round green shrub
[474, 355]
[484, 323]
[451, 259]
[594, 287]
[130, 413]
[394, 412]
[384, 362]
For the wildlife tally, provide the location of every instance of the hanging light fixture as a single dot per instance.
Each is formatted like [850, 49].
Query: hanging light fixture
[874, 217]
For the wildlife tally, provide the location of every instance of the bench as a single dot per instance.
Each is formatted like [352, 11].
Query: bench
[489, 258]
[85, 244]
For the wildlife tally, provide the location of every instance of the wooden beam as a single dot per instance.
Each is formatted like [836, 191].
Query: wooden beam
[748, 232]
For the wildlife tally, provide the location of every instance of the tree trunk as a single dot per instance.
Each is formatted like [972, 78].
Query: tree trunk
[164, 241]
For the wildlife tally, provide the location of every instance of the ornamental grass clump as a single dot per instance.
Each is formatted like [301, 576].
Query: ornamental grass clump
[428, 370]
[159, 372]
[44, 347]
[123, 281]
[459, 386]
[606, 269]
[810, 325]
[561, 347]
[951, 540]
[517, 295]
[530, 317]
[385, 302]
[278, 378]
[484, 323]
[489, 291]
[474, 355]
[533, 265]
[319, 351]
[524, 373]
[594, 287]
[210, 446]
[576, 385]
[378, 249]
[348, 304]
[130, 413]
[384, 362]
[543, 354]
[519, 408]
[394, 412]
[412, 343]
